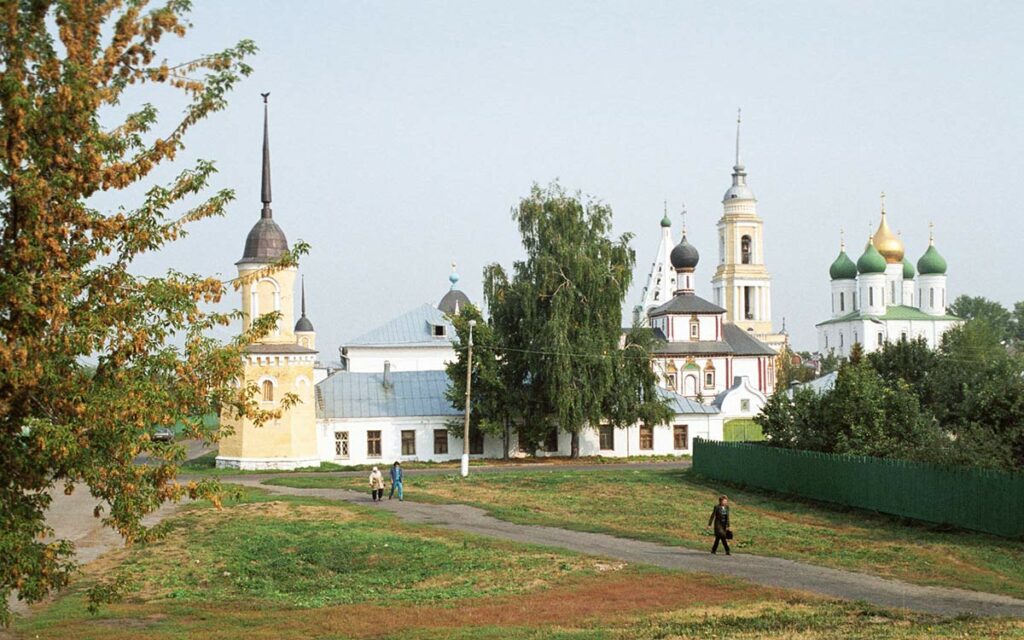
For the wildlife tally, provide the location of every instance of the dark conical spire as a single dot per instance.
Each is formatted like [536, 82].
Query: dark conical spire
[304, 324]
[266, 241]
[265, 185]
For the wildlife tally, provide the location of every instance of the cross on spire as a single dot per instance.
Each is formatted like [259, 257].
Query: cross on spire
[882, 197]
[683, 215]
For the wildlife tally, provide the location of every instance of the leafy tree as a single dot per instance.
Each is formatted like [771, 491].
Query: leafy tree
[788, 372]
[977, 395]
[635, 381]
[66, 290]
[979, 308]
[911, 361]
[492, 413]
[863, 414]
[558, 317]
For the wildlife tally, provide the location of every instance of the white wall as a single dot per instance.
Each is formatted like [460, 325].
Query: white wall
[627, 440]
[371, 359]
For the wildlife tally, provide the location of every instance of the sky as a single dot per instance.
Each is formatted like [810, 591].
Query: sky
[402, 134]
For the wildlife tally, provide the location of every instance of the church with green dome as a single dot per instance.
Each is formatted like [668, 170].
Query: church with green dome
[881, 297]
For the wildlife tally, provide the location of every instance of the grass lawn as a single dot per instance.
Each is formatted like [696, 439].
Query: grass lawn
[269, 567]
[206, 464]
[672, 506]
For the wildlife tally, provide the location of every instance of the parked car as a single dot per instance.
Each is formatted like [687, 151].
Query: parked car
[163, 434]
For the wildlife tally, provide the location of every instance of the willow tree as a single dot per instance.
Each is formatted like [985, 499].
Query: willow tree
[558, 319]
[92, 356]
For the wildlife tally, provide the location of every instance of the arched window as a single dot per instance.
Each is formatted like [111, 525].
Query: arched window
[690, 385]
[745, 250]
[842, 302]
[268, 391]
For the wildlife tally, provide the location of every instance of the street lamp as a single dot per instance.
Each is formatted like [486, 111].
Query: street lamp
[469, 386]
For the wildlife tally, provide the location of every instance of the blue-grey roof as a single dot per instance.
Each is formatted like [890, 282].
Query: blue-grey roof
[681, 404]
[818, 385]
[363, 395]
[413, 328]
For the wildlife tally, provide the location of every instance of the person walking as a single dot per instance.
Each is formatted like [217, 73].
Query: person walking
[720, 518]
[377, 484]
[396, 481]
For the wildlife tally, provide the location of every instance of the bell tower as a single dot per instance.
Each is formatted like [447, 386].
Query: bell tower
[741, 283]
[279, 363]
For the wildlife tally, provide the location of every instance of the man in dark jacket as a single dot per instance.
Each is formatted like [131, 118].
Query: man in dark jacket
[396, 481]
[720, 518]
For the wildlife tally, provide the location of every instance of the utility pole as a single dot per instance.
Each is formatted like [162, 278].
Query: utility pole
[469, 387]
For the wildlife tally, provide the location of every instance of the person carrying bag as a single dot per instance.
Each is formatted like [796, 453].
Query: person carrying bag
[720, 518]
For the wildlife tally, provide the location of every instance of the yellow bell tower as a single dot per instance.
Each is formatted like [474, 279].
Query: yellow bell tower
[281, 362]
[742, 284]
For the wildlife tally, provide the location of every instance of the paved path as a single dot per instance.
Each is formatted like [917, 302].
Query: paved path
[773, 572]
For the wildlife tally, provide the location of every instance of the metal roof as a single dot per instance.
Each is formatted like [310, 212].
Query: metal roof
[453, 302]
[892, 312]
[413, 328]
[693, 347]
[743, 343]
[345, 394]
[683, 405]
[686, 303]
[735, 342]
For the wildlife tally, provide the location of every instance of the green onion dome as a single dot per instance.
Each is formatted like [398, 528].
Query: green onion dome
[931, 262]
[665, 222]
[908, 270]
[843, 268]
[871, 261]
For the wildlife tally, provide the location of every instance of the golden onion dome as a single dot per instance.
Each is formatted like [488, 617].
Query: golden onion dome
[888, 243]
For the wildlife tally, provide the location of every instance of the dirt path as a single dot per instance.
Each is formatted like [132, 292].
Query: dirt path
[71, 518]
[773, 572]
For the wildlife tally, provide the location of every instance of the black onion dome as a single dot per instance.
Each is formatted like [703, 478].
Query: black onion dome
[684, 255]
[265, 243]
[453, 302]
[303, 325]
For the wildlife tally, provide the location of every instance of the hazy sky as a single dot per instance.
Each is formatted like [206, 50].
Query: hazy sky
[403, 133]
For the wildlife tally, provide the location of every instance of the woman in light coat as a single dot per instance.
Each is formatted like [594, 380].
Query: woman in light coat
[377, 484]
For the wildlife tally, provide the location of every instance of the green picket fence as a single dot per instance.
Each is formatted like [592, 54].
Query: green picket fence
[978, 499]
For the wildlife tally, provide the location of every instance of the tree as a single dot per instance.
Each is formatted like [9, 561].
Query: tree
[67, 293]
[863, 414]
[977, 395]
[911, 361]
[558, 317]
[979, 308]
[492, 413]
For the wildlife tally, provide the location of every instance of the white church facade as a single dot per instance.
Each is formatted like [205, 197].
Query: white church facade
[881, 298]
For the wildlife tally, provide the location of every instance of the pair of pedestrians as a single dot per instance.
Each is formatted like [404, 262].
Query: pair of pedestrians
[377, 483]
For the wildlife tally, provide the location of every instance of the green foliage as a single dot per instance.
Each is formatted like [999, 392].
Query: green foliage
[962, 404]
[1002, 322]
[558, 320]
[491, 410]
[863, 414]
[67, 291]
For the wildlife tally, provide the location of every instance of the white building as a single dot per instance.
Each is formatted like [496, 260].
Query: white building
[881, 299]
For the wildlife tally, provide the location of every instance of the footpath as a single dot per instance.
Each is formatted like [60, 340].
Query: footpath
[772, 572]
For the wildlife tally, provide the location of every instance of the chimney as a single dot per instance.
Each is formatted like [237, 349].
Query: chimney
[387, 374]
